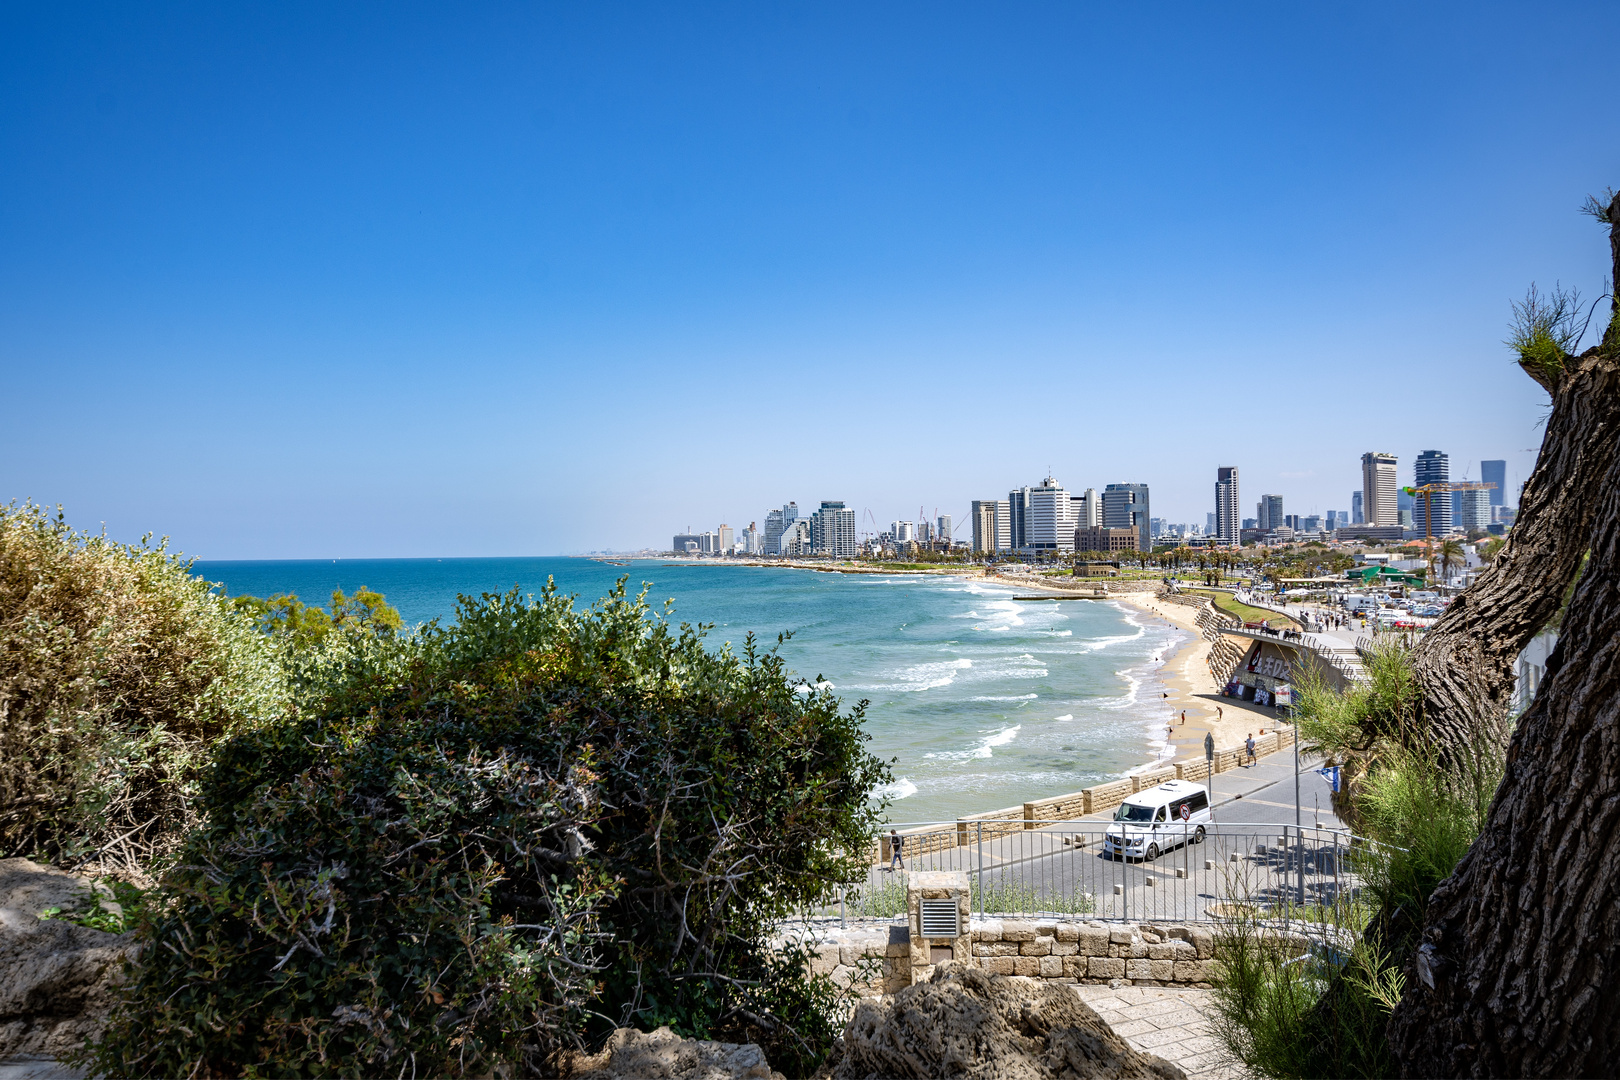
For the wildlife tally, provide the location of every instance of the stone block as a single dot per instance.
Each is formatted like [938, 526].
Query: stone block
[1027, 965]
[1046, 929]
[1003, 948]
[989, 930]
[1105, 967]
[1074, 967]
[1151, 938]
[1163, 970]
[1067, 932]
[999, 965]
[1094, 940]
[1139, 969]
[1122, 935]
[1051, 967]
[850, 955]
[1178, 933]
[1038, 947]
[1203, 940]
[982, 950]
[1017, 930]
[1173, 950]
[824, 959]
[1065, 948]
[1190, 970]
[1138, 951]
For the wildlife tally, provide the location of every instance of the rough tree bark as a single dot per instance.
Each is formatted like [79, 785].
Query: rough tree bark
[1519, 964]
[1464, 664]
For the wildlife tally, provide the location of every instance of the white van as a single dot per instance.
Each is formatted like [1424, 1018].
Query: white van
[1157, 820]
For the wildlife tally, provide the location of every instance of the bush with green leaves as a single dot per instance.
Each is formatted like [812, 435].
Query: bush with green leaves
[473, 835]
[118, 670]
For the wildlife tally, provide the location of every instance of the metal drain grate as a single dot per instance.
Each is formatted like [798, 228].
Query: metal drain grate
[940, 919]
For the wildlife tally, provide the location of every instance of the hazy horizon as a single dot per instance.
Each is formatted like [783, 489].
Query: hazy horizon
[301, 282]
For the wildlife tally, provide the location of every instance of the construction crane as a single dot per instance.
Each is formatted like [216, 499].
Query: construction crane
[1428, 492]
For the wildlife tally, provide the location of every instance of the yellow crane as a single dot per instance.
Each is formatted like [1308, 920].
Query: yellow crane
[1428, 492]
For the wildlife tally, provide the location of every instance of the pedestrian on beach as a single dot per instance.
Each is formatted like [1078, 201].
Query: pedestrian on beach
[896, 863]
[1217, 714]
[1183, 717]
[1248, 745]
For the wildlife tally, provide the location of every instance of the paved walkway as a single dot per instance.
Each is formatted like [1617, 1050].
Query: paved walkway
[1167, 1022]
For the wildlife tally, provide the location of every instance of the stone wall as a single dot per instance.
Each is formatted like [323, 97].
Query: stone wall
[1076, 804]
[878, 959]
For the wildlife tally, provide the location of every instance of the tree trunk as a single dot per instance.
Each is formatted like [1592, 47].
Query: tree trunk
[1464, 663]
[1519, 964]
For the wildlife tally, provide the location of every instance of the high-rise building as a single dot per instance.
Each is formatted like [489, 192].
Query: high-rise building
[1356, 517]
[1311, 523]
[1268, 512]
[1474, 509]
[1018, 519]
[832, 530]
[687, 543]
[1086, 509]
[750, 540]
[1048, 526]
[992, 525]
[1495, 472]
[1432, 512]
[925, 532]
[727, 539]
[796, 539]
[1378, 489]
[1125, 506]
[1226, 504]
[942, 528]
[904, 532]
[776, 523]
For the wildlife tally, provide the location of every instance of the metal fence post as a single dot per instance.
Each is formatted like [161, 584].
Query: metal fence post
[979, 829]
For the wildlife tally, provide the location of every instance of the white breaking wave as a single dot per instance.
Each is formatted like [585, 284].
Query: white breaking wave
[1000, 738]
[806, 688]
[900, 789]
[1065, 716]
[928, 676]
[1008, 697]
[1129, 698]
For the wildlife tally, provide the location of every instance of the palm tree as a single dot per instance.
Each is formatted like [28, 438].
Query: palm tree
[1449, 555]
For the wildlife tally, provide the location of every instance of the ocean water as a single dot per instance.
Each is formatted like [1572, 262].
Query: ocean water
[983, 701]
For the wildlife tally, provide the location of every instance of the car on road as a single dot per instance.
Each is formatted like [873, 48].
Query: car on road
[1157, 820]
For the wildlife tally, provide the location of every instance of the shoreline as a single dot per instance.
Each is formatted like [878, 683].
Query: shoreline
[1189, 685]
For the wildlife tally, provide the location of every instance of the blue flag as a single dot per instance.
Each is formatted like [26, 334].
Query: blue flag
[1332, 774]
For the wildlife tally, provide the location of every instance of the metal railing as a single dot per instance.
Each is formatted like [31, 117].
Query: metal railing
[1068, 869]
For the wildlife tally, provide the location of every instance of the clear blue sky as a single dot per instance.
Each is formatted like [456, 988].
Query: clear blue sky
[382, 280]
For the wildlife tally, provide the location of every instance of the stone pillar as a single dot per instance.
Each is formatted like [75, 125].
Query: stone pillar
[927, 952]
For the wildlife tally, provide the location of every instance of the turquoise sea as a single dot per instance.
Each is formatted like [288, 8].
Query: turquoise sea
[984, 701]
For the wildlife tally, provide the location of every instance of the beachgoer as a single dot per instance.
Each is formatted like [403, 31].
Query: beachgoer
[1217, 714]
[1183, 717]
[895, 862]
[1248, 745]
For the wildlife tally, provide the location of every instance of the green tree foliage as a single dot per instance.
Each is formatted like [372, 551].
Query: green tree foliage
[683, 801]
[118, 669]
[304, 626]
[1325, 1015]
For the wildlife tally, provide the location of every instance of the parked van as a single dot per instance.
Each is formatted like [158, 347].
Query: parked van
[1158, 820]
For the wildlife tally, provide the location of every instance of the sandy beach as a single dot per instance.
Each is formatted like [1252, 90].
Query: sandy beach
[1190, 687]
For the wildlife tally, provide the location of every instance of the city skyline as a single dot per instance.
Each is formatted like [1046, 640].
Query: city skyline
[445, 283]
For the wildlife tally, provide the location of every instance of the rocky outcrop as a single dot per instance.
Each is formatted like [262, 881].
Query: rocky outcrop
[56, 979]
[664, 1055]
[965, 1023]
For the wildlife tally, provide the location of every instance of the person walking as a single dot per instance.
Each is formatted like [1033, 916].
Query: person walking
[895, 842]
[1218, 716]
[1248, 746]
[1183, 717]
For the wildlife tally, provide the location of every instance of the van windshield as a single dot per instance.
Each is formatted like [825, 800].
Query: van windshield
[1127, 812]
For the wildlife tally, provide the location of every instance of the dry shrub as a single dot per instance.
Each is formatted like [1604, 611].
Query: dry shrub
[118, 670]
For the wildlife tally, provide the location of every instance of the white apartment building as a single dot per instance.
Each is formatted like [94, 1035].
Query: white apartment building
[1086, 509]
[992, 525]
[1049, 520]
[832, 530]
[903, 532]
[1378, 489]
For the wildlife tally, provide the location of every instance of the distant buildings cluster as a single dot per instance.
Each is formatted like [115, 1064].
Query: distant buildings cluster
[1048, 519]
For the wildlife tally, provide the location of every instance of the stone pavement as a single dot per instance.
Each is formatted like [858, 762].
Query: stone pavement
[1168, 1022]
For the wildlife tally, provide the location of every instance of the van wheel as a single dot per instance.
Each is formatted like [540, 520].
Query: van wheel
[1152, 853]
[1198, 837]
